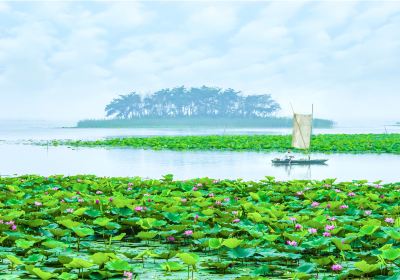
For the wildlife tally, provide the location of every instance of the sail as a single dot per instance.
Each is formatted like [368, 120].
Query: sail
[302, 127]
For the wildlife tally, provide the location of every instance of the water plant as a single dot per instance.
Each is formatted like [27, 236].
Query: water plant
[259, 229]
[323, 143]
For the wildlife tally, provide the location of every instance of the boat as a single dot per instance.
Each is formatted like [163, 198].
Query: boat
[304, 161]
[301, 139]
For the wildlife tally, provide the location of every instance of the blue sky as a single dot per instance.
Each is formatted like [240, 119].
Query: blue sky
[66, 60]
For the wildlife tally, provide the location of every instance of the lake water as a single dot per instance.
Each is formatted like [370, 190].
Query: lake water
[18, 158]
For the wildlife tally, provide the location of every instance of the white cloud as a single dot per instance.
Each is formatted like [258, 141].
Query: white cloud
[343, 57]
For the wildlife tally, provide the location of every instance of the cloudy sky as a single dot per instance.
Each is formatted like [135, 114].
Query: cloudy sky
[66, 60]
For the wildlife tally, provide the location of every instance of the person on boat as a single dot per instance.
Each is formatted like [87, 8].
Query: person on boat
[289, 156]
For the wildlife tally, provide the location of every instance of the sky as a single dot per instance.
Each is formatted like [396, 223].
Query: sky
[67, 60]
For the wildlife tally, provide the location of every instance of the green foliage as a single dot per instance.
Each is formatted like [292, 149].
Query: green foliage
[323, 143]
[149, 221]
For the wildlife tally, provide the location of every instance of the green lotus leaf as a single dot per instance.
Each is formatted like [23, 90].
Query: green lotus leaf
[215, 243]
[40, 273]
[306, 268]
[101, 258]
[339, 243]
[189, 258]
[366, 267]
[80, 211]
[146, 235]
[67, 276]
[172, 266]
[14, 260]
[35, 258]
[232, 242]
[368, 230]
[102, 221]
[391, 254]
[54, 244]
[68, 223]
[118, 265]
[79, 263]
[83, 231]
[240, 252]
[24, 244]
[118, 237]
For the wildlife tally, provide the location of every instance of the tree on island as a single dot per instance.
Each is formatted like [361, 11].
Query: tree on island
[192, 102]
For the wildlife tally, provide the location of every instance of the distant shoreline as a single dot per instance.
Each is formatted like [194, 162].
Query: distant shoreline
[198, 122]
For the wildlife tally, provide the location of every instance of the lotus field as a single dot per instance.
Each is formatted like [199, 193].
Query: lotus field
[323, 143]
[90, 227]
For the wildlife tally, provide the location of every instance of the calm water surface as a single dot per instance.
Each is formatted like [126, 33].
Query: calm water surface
[18, 159]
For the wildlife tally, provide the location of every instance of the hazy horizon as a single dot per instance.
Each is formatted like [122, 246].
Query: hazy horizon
[67, 60]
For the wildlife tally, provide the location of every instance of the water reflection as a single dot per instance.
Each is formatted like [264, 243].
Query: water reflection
[27, 159]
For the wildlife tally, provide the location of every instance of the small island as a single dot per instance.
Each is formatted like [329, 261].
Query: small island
[204, 106]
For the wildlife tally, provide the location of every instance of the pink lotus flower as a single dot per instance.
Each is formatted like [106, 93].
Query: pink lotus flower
[97, 201]
[326, 234]
[218, 202]
[55, 189]
[293, 219]
[111, 199]
[299, 193]
[367, 212]
[227, 199]
[378, 186]
[314, 204]
[291, 243]
[99, 192]
[183, 200]
[298, 226]
[382, 196]
[328, 206]
[62, 201]
[129, 189]
[1, 222]
[10, 222]
[389, 220]
[329, 227]
[195, 189]
[312, 230]
[37, 203]
[344, 206]
[69, 210]
[146, 194]
[130, 184]
[170, 238]
[139, 208]
[215, 181]
[80, 200]
[234, 213]
[331, 218]
[79, 180]
[236, 221]
[14, 227]
[199, 185]
[210, 195]
[338, 191]
[128, 275]
[196, 217]
[188, 232]
[336, 267]
[351, 194]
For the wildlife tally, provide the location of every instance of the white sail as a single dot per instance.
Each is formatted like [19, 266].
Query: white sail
[302, 128]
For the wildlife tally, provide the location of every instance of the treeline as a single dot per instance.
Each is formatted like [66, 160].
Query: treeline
[204, 122]
[192, 102]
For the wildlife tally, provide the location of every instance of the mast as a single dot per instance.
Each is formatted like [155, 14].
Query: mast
[312, 120]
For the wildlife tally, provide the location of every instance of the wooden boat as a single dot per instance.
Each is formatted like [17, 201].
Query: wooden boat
[301, 139]
[304, 161]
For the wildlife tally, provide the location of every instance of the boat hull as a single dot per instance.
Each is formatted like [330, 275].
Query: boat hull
[298, 161]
